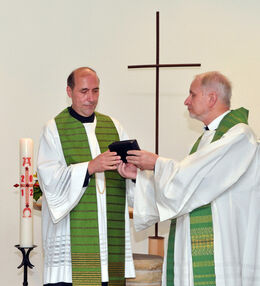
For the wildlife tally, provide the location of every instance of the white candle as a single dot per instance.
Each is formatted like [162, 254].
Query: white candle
[26, 192]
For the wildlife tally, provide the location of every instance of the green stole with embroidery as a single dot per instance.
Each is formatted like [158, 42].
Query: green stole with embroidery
[201, 226]
[85, 250]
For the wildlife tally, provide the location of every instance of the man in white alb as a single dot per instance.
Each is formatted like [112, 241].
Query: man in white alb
[212, 196]
[85, 221]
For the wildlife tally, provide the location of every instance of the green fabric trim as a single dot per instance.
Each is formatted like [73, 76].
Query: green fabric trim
[201, 225]
[85, 252]
[196, 145]
[170, 254]
[234, 117]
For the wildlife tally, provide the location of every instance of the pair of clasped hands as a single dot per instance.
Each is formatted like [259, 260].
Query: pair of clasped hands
[108, 160]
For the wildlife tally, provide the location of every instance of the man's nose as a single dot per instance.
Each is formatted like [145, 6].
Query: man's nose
[90, 96]
[187, 100]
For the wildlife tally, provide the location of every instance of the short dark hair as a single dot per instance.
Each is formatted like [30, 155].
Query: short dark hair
[71, 80]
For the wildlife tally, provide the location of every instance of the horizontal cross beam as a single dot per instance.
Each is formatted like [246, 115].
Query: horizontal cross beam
[163, 66]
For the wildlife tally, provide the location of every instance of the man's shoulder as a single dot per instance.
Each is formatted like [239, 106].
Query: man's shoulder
[50, 128]
[62, 114]
[241, 129]
[50, 125]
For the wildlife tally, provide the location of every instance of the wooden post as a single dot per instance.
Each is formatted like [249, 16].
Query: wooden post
[156, 245]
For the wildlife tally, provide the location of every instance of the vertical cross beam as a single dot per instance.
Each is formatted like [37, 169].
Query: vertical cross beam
[157, 84]
[157, 67]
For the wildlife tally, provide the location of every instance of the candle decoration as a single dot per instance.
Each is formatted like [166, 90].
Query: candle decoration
[26, 192]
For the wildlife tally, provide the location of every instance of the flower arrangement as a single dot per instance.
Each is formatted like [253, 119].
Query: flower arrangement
[37, 192]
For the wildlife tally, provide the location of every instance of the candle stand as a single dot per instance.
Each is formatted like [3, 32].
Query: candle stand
[26, 261]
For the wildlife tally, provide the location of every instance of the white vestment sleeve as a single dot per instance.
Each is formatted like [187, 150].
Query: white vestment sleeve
[177, 188]
[61, 184]
[203, 176]
[145, 208]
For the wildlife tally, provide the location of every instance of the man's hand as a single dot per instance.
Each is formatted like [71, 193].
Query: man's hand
[143, 160]
[127, 170]
[104, 162]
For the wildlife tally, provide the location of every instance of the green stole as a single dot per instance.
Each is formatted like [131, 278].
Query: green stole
[201, 226]
[85, 250]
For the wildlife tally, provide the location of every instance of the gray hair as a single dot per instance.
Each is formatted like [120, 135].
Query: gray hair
[217, 82]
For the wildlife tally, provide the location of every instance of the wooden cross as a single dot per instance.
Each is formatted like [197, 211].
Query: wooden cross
[157, 66]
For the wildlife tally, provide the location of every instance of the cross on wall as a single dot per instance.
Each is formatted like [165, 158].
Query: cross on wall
[157, 67]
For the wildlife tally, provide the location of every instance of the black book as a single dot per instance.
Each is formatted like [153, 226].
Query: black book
[121, 147]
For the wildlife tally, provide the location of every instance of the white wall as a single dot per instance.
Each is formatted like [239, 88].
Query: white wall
[42, 41]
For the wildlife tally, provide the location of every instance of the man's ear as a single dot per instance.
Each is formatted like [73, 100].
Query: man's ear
[69, 91]
[212, 99]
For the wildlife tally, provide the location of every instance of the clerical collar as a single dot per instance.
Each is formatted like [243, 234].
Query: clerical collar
[82, 119]
[215, 123]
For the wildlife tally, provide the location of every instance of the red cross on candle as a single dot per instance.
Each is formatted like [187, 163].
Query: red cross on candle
[27, 185]
[26, 193]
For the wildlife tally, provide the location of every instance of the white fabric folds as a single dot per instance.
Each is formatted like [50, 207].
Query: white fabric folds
[225, 173]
